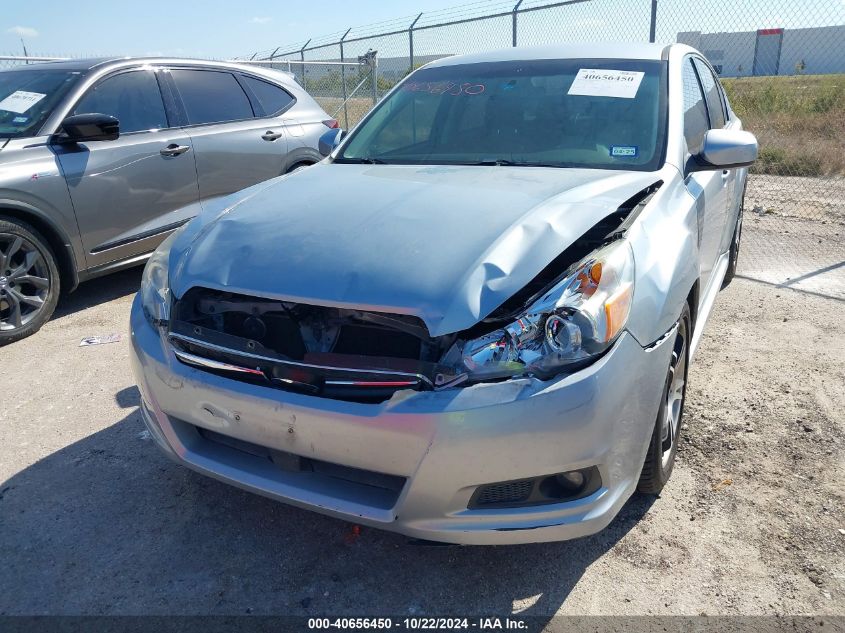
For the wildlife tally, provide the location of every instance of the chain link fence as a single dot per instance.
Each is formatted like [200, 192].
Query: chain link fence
[782, 63]
[12, 61]
[345, 89]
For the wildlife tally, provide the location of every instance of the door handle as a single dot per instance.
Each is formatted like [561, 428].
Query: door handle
[174, 150]
[270, 135]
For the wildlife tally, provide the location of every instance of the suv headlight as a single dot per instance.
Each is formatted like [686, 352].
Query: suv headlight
[570, 325]
[155, 286]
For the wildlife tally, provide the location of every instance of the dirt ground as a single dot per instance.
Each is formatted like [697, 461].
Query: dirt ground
[94, 520]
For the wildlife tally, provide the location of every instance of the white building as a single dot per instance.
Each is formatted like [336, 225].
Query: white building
[810, 51]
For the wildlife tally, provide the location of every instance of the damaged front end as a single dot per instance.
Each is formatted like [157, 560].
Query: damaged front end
[328, 352]
[568, 316]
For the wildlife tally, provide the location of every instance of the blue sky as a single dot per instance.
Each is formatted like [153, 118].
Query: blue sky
[229, 28]
[217, 28]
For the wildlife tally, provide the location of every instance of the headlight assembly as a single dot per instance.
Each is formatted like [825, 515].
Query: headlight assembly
[570, 325]
[155, 286]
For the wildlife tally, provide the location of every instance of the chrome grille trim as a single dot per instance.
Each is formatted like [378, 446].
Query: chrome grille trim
[181, 338]
[209, 363]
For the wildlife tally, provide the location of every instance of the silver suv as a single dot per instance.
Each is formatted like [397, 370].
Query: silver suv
[101, 159]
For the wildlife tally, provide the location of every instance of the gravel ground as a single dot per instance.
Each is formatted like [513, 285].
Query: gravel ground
[94, 520]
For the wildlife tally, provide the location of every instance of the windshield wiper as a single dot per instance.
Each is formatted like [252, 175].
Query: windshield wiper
[503, 162]
[362, 161]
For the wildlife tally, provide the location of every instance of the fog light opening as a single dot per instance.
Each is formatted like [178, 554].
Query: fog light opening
[519, 493]
[574, 480]
[571, 484]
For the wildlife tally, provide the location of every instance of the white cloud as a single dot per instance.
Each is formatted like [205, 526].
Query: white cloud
[23, 31]
[261, 20]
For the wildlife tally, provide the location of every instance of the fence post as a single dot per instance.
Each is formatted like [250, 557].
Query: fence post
[653, 28]
[343, 80]
[513, 15]
[374, 75]
[302, 58]
[411, 43]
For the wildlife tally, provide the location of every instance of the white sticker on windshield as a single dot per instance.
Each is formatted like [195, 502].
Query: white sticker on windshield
[593, 82]
[20, 101]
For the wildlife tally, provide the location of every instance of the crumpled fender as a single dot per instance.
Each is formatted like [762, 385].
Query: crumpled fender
[665, 245]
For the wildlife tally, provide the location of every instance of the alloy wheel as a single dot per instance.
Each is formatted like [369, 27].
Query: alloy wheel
[674, 404]
[24, 281]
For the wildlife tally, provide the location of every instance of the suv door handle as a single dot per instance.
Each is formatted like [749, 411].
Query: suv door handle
[174, 150]
[270, 135]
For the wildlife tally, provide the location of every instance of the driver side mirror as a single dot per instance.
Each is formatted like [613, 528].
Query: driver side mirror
[329, 141]
[725, 149]
[89, 127]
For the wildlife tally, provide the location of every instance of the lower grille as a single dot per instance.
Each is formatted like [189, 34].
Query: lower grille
[511, 492]
[344, 482]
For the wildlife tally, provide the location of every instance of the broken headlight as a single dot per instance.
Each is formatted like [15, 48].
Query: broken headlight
[569, 325]
[155, 290]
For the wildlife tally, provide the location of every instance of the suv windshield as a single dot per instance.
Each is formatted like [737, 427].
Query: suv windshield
[606, 114]
[28, 96]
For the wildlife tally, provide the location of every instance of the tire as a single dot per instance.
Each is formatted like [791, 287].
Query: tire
[297, 167]
[663, 447]
[29, 280]
[735, 244]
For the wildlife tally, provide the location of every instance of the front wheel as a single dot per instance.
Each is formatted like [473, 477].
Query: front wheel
[660, 458]
[29, 281]
[735, 243]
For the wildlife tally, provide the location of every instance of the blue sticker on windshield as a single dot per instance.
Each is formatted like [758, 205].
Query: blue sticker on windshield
[624, 151]
[20, 119]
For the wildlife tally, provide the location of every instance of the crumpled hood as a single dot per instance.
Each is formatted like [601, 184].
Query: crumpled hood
[448, 244]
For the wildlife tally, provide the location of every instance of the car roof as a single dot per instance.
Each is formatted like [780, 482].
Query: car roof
[599, 50]
[97, 63]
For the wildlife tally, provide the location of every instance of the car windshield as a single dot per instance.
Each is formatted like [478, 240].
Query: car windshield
[28, 96]
[606, 114]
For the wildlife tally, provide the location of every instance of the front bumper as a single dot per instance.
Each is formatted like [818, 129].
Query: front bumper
[443, 444]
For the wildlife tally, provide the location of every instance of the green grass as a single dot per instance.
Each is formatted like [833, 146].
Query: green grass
[799, 121]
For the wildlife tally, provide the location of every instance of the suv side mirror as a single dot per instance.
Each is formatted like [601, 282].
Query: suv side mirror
[723, 149]
[89, 127]
[329, 141]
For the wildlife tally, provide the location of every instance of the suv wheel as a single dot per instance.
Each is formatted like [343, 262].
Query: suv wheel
[660, 458]
[29, 281]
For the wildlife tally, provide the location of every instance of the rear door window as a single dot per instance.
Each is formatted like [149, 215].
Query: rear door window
[711, 92]
[271, 98]
[211, 96]
[696, 123]
[132, 97]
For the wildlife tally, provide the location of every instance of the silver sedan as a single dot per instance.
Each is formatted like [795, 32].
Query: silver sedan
[473, 321]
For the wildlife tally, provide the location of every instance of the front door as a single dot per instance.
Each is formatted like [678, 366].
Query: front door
[130, 192]
[707, 187]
